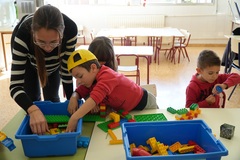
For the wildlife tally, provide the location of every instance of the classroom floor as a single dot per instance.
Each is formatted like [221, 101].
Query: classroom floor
[171, 81]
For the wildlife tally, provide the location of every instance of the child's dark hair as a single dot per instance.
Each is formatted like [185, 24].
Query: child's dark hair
[102, 48]
[87, 65]
[208, 58]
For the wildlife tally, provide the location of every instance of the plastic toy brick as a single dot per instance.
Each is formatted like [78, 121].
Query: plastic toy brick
[113, 125]
[144, 147]
[153, 144]
[198, 149]
[112, 135]
[54, 131]
[186, 149]
[162, 150]
[174, 147]
[103, 110]
[117, 141]
[93, 118]
[193, 106]
[132, 145]
[227, 131]
[104, 126]
[83, 142]
[150, 117]
[7, 142]
[182, 111]
[114, 116]
[171, 110]
[57, 118]
[131, 120]
[139, 152]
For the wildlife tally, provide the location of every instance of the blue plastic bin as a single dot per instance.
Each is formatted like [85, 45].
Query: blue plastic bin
[169, 132]
[48, 145]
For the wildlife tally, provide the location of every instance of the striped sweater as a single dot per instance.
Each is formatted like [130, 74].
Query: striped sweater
[23, 49]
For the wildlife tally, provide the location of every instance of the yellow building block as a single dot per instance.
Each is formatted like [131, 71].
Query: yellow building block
[118, 141]
[162, 149]
[186, 149]
[114, 116]
[153, 144]
[174, 147]
[112, 135]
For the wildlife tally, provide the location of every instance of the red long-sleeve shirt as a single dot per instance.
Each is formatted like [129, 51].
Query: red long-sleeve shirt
[197, 91]
[113, 89]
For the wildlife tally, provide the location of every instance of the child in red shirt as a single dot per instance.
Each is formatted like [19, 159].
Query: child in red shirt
[202, 87]
[103, 85]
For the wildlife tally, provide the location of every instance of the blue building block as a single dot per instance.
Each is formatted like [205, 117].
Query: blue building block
[83, 142]
[7, 142]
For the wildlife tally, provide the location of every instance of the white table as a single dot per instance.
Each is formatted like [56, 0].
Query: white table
[141, 51]
[151, 33]
[99, 145]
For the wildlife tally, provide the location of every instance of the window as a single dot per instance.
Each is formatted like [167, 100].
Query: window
[180, 1]
[130, 2]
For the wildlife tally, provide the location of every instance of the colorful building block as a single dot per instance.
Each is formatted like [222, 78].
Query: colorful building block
[171, 110]
[150, 117]
[57, 118]
[7, 142]
[174, 147]
[83, 142]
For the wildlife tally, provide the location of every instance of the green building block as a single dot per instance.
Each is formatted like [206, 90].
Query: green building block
[57, 118]
[171, 110]
[193, 106]
[150, 117]
[182, 111]
[93, 118]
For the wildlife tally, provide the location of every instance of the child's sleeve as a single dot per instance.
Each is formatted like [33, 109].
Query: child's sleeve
[231, 79]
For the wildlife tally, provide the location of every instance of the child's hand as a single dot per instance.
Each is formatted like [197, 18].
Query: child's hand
[73, 105]
[210, 99]
[218, 88]
[72, 124]
[96, 109]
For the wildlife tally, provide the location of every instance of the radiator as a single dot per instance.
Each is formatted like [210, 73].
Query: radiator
[133, 21]
[137, 21]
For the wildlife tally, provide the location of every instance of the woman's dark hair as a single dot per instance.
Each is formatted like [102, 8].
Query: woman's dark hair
[102, 48]
[48, 17]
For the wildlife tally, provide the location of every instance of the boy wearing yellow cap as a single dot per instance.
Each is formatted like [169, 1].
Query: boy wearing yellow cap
[104, 86]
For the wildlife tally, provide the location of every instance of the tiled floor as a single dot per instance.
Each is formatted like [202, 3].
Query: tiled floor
[171, 81]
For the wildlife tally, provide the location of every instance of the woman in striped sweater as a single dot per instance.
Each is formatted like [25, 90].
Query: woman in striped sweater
[41, 44]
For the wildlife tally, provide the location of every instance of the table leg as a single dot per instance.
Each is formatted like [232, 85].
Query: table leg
[4, 52]
[148, 58]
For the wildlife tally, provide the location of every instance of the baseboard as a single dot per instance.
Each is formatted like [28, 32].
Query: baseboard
[207, 45]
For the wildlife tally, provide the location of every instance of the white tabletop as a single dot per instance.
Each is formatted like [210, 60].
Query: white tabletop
[99, 145]
[148, 32]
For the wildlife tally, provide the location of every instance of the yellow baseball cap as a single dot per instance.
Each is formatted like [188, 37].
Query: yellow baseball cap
[79, 57]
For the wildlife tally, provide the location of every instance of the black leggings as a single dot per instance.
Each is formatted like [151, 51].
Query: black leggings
[32, 85]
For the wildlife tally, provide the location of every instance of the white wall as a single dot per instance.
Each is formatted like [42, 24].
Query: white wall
[207, 23]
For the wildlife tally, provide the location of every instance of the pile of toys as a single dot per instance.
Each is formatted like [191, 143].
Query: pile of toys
[184, 113]
[154, 147]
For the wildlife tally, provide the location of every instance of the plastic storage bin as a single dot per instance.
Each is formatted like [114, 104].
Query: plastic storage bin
[169, 132]
[48, 145]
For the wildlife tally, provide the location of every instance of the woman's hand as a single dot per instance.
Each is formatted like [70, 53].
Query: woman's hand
[38, 123]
